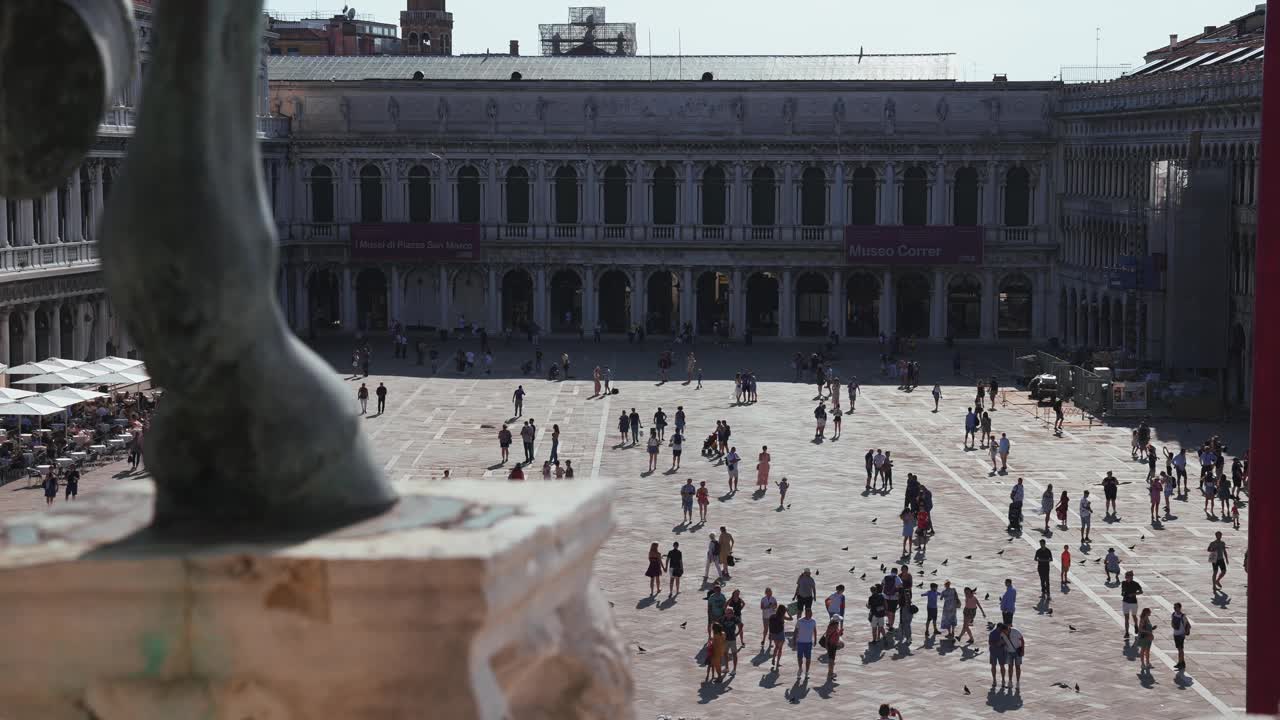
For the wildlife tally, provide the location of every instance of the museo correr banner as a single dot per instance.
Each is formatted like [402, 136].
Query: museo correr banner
[415, 241]
[912, 245]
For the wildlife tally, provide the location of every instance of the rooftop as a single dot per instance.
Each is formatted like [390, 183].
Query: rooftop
[935, 66]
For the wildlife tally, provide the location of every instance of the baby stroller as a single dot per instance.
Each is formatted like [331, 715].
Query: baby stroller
[553, 372]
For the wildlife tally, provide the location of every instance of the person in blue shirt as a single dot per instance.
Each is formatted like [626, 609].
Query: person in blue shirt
[970, 428]
[995, 650]
[931, 608]
[1008, 602]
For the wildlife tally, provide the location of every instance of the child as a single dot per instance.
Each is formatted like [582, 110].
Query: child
[782, 492]
[699, 387]
[1112, 565]
[1235, 513]
[1066, 562]
[931, 608]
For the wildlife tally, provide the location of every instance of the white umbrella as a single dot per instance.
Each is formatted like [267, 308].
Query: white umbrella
[44, 366]
[67, 376]
[66, 397]
[117, 363]
[124, 377]
[101, 367]
[31, 407]
[12, 394]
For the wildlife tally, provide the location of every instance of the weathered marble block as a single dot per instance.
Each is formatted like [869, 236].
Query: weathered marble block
[468, 600]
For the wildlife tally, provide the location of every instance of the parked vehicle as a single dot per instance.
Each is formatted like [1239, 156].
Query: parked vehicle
[1043, 387]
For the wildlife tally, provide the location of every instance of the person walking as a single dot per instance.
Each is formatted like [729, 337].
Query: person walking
[1008, 602]
[996, 653]
[1004, 453]
[1063, 504]
[950, 603]
[971, 609]
[704, 501]
[687, 491]
[624, 426]
[783, 485]
[993, 451]
[674, 567]
[1181, 625]
[555, 443]
[1146, 634]
[381, 392]
[652, 446]
[835, 604]
[1014, 647]
[768, 608]
[1066, 563]
[504, 443]
[1016, 496]
[50, 485]
[725, 545]
[363, 396]
[1044, 556]
[1046, 506]
[654, 571]
[1129, 592]
[806, 590]
[937, 396]
[731, 464]
[762, 469]
[831, 642]
[1086, 518]
[970, 428]
[681, 419]
[778, 635]
[716, 654]
[677, 448]
[634, 420]
[1218, 561]
[517, 400]
[806, 635]
[713, 558]
[984, 424]
[908, 530]
[660, 424]
[526, 439]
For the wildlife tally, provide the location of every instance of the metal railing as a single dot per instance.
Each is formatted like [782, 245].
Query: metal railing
[46, 257]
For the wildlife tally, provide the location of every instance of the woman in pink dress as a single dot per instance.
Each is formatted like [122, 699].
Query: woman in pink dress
[595, 376]
[762, 469]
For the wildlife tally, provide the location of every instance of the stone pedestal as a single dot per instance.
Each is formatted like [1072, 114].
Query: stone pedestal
[468, 600]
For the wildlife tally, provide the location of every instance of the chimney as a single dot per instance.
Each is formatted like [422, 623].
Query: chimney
[515, 48]
[1209, 28]
[1173, 40]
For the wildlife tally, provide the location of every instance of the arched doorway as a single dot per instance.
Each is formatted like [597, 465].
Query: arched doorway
[964, 307]
[762, 303]
[615, 301]
[468, 298]
[812, 304]
[371, 300]
[912, 306]
[862, 305]
[713, 301]
[566, 301]
[421, 307]
[324, 298]
[1014, 308]
[663, 298]
[517, 301]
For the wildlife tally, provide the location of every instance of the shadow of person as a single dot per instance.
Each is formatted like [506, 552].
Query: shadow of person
[826, 689]
[769, 679]
[1002, 701]
[712, 690]
[667, 604]
[797, 692]
[646, 602]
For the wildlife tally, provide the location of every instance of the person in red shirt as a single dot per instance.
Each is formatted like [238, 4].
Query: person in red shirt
[516, 473]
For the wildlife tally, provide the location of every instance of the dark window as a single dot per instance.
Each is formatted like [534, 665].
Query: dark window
[370, 194]
[1017, 198]
[63, 193]
[966, 197]
[664, 196]
[764, 206]
[321, 194]
[615, 196]
[469, 195]
[566, 196]
[517, 196]
[915, 196]
[37, 218]
[713, 196]
[813, 197]
[863, 207]
[419, 194]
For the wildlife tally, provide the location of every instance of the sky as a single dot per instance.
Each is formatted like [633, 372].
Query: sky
[1026, 39]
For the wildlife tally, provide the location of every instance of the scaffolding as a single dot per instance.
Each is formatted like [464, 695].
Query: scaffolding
[587, 33]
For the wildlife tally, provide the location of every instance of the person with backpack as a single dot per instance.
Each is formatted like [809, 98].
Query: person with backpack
[713, 558]
[1181, 625]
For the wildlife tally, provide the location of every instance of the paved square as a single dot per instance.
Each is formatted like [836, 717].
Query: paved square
[451, 421]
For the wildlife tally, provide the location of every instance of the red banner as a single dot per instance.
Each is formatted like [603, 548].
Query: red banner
[415, 241]
[912, 245]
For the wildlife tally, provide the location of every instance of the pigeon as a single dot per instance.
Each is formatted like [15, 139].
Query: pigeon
[1133, 546]
[846, 547]
[944, 562]
[1000, 553]
[966, 690]
[817, 572]
[1142, 537]
[881, 567]
[684, 624]
[1050, 611]
[768, 550]
[863, 577]
[933, 572]
[1010, 539]
[968, 557]
[788, 506]
[1061, 684]
[1097, 560]
[875, 557]
[874, 519]
[1077, 687]
[987, 596]
[1072, 628]
[641, 649]
[610, 603]
[920, 585]
[852, 569]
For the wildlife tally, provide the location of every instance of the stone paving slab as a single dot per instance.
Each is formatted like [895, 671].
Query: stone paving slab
[451, 421]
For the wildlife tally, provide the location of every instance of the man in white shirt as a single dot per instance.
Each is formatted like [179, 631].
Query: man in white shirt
[878, 462]
[768, 607]
[806, 636]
